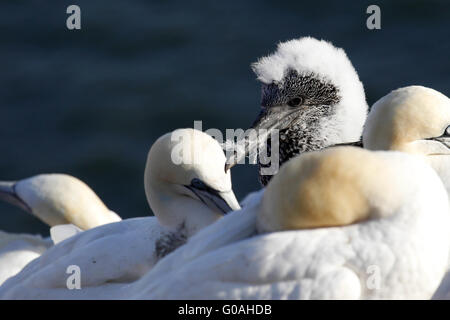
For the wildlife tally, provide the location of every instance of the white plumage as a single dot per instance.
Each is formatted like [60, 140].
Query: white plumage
[343, 223]
[404, 235]
[122, 252]
[415, 120]
[55, 199]
[17, 250]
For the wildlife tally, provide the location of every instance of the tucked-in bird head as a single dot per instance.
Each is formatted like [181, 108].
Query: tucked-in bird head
[58, 199]
[312, 92]
[413, 119]
[334, 187]
[185, 181]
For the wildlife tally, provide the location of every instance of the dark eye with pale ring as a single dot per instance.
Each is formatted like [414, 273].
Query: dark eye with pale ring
[297, 101]
[447, 131]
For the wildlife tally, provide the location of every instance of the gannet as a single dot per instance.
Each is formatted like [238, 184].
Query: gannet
[311, 93]
[194, 193]
[415, 120]
[57, 200]
[185, 198]
[343, 223]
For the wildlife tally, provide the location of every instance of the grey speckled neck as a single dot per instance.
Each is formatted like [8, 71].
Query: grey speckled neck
[169, 242]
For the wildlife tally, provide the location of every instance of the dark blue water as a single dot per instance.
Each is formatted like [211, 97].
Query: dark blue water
[91, 102]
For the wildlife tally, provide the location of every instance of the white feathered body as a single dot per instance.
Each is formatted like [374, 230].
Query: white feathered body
[116, 253]
[17, 250]
[407, 251]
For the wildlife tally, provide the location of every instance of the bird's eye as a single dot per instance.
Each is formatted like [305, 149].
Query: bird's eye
[297, 101]
[447, 131]
[198, 184]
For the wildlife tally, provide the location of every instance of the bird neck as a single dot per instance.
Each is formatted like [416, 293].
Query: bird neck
[293, 141]
[176, 210]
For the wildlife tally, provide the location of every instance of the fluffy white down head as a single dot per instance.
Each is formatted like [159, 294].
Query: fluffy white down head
[61, 199]
[342, 186]
[404, 118]
[311, 56]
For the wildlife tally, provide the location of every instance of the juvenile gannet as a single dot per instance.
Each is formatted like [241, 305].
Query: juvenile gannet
[184, 198]
[312, 94]
[55, 199]
[344, 223]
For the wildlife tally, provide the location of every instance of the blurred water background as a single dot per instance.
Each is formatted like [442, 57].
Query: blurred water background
[91, 102]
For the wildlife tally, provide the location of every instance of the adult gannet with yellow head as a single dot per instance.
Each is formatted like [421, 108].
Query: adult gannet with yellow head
[416, 120]
[56, 199]
[186, 188]
[185, 183]
[344, 223]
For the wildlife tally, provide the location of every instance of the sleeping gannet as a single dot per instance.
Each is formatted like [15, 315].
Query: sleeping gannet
[57, 200]
[312, 94]
[343, 223]
[185, 198]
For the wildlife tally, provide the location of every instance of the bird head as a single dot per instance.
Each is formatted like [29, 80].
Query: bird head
[340, 186]
[307, 79]
[412, 119]
[58, 199]
[184, 170]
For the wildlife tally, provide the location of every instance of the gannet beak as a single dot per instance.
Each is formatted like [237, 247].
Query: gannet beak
[358, 144]
[219, 201]
[8, 194]
[230, 200]
[269, 119]
[444, 140]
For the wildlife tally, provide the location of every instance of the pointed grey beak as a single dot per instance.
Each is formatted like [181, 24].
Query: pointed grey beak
[445, 140]
[8, 194]
[269, 119]
[222, 202]
[358, 144]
